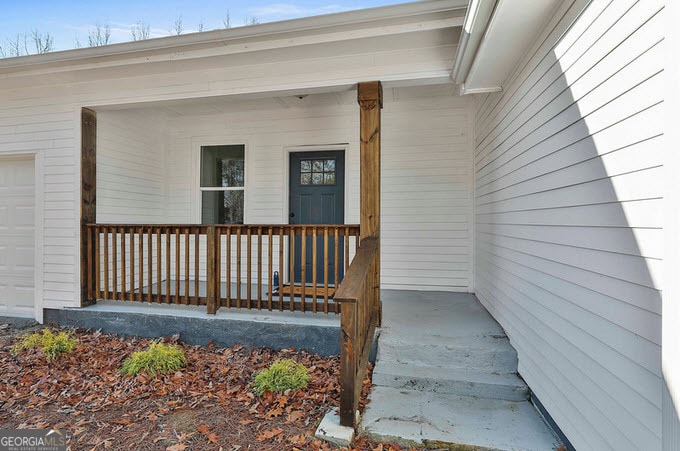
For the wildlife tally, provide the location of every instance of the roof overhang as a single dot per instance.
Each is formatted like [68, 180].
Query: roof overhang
[426, 23]
[496, 34]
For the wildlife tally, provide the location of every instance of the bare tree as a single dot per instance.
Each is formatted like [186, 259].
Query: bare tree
[177, 26]
[141, 31]
[99, 35]
[227, 20]
[251, 20]
[201, 26]
[16, 46]
[43, 42]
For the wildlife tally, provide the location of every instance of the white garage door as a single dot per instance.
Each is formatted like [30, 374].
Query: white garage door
[16, 237]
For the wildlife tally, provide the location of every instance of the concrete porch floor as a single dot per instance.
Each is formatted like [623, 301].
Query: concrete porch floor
[446, 372]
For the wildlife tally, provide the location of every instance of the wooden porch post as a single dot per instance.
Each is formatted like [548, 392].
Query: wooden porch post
[88, 200]
[371, 101]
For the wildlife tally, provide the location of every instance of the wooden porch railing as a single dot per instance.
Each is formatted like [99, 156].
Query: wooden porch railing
[230, 266]
[358, 294]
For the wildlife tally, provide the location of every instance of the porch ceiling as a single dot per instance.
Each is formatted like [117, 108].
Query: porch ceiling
[302, 98]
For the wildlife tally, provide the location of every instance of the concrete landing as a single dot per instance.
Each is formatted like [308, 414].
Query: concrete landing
[413, 417]
[446, 372]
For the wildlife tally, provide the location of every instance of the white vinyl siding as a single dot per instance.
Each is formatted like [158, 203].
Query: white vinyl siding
[426, 195]
[130, 168]
[569, 210]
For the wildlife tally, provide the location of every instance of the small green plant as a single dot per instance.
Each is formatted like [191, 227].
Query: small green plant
[158, 358]
[50, 344]
[281, 375]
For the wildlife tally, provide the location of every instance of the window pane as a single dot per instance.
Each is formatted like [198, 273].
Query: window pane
[305, 179]
[317, 166]
[222, 207]
[329, 165]
[222, 166]
[329, 178]
[317, 179]
[305, 166]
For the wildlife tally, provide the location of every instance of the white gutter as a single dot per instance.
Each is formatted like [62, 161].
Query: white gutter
[476, 21]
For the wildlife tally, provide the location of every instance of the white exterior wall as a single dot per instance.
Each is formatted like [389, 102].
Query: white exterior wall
[569, 210]
[41, 97]
[426, 174]
[131, 173]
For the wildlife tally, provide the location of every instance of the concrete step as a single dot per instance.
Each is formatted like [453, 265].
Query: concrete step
[416, 418]
[483, 354]
[480, 384]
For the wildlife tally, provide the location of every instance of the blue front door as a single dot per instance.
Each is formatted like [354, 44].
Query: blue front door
[317, 196]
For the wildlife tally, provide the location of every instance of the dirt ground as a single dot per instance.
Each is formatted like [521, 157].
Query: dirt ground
[209, 405]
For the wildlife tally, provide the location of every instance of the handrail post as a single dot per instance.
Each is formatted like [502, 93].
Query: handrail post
[210, 272]
[348, 363]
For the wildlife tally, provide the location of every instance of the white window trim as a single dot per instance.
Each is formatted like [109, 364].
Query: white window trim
[196, 145]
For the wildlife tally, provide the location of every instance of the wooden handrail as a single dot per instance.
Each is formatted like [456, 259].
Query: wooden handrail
[158, 263]
[358, 295]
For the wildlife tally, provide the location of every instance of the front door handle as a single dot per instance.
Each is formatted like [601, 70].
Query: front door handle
[292, 215]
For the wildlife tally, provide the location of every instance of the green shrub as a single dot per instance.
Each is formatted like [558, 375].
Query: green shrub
[281, 375]
[50, 344]
[158, 358]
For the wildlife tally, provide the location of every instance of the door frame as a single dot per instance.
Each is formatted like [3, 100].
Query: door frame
[285, 188]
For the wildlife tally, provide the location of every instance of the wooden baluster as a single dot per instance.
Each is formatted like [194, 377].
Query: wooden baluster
[291, 263]
[149, 264]
[106, 262]
[346, 249]
[325, 269]
[259, 268]
[303, 268]
[238, 267]
[210, 271]
[159, 262]
[132, 263]
[228, 271]
[270, 262]
[114, 252]
[336, 262]
[249, 269]
[314, 263]
[281, 268]
[186, 266]
[140, 298]
[168, 272]
[123, 259]
[218, 267]
[197, 265]
[98, 264]
[177, 280]
[89, 231]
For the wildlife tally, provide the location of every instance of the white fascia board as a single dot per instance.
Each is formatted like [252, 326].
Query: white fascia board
[476, 20]
[377, 18]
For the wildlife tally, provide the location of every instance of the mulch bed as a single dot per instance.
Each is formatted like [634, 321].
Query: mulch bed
[209, 405]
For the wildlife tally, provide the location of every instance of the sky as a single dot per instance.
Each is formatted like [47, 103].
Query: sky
[69, 22]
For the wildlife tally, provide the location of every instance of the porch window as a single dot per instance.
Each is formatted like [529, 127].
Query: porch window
[222, 184]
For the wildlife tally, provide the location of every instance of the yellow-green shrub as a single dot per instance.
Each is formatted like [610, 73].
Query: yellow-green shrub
[158, 358]
[281, 375]
[50, 344]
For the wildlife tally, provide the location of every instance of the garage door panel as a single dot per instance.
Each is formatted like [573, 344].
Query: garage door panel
[17, 248]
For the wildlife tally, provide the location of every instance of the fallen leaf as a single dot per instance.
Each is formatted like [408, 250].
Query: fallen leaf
[203, 429]
[271, 433]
